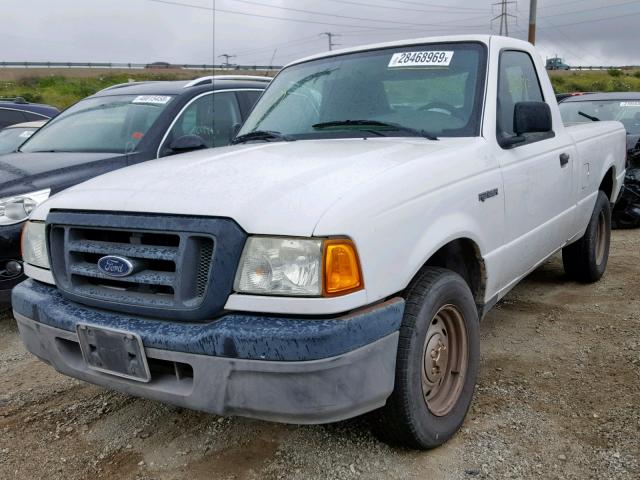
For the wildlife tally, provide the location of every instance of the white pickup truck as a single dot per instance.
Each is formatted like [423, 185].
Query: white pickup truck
[337, 260]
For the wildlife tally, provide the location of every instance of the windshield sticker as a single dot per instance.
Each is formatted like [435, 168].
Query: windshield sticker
[630, 104]
[26, 134]
[420, 59]
[158, 99]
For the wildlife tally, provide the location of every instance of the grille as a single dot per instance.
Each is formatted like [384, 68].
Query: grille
[171, 269]
[183, 267]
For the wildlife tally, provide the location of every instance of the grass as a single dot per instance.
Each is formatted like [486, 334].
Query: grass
[596, 81]
[62, 91]
[65, 90]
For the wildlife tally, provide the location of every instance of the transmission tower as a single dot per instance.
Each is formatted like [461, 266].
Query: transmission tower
[227, 57]
[330, 39]
[504, 16]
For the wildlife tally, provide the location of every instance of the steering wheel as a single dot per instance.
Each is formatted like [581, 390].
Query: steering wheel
[439, 107]
[204, 132]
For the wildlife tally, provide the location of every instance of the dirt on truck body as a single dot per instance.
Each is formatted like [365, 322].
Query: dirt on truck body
[558, 397]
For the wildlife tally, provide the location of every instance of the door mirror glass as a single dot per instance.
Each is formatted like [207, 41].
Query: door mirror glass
[532, 117]
[187, 143]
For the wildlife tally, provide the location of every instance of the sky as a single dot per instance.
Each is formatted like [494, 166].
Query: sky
[275, 32]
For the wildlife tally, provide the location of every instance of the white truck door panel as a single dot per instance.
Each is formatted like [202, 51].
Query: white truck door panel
[539, 198]
[538, 174]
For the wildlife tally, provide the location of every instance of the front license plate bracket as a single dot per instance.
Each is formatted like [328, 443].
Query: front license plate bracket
[113, 352]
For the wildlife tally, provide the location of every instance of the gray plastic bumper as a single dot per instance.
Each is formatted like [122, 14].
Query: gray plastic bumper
[304, 392]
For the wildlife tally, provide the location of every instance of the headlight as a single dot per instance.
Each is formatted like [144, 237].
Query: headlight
[18, 208]
[34, 245]
[298, 267]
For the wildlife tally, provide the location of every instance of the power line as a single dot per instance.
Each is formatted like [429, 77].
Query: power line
[574, 45]
[584, 10]
[182, 4]
[409, 9]
[438, 6]
[630, 14]
[294, 43]
[334, 15]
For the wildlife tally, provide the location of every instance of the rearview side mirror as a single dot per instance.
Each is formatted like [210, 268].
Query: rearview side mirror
[532, 117]
[187, 143]
[529, 117]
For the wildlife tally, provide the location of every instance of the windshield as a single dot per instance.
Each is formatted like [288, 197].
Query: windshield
[106, 124]
[12, 138]
[625, 111]
[435, 88]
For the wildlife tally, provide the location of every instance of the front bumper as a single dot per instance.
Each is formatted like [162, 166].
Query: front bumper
[287, 370]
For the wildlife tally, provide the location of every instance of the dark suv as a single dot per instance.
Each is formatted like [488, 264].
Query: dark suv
[18, 110]
[119, 126]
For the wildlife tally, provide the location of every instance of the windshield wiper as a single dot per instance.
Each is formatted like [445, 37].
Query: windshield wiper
[376, 123]
[46, 151]
[265, 135]
[590, 117]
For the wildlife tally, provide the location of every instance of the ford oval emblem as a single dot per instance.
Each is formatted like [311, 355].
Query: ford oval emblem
[115, 266]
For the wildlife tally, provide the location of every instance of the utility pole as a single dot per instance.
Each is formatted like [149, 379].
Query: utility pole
[533, 7]
[504, 16]
[330, 39]
[227, 57]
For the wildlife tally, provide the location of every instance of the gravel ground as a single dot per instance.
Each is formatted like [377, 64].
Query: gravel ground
[558, 397]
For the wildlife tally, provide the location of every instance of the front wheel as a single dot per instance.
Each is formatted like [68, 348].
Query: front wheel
[437, 362]
[586, 260]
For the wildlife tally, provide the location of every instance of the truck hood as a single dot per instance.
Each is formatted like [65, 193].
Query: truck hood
[26, 172]
[269, 188]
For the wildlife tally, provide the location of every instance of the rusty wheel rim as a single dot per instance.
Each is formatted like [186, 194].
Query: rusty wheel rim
[601, 235]
[444, 360]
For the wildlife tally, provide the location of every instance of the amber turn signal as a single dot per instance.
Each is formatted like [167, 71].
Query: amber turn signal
[342, 272]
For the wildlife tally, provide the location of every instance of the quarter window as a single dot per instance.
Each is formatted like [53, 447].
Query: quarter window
[10, 117]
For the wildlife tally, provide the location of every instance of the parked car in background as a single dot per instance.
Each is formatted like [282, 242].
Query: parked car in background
[390, 195]
[13, 136]
[18, 110]
[623, 107]
[560, 97]
[119, 126]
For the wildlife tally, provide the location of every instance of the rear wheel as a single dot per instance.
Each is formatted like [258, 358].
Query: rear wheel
[437, 363]
[586, 260]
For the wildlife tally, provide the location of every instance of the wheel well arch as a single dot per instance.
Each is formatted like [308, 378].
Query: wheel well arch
[464, 257]
[607, 183]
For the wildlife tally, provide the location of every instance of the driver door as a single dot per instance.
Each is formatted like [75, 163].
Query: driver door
[213, 116]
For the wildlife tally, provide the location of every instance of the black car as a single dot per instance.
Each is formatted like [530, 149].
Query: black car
[623, 107]
[119, 126]
[18, 110]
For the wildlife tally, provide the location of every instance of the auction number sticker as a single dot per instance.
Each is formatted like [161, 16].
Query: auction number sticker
[630, 104]
[421, 59]
[159, 99]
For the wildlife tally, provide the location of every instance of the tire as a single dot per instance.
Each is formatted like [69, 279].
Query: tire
[586, 260]
[421, 413]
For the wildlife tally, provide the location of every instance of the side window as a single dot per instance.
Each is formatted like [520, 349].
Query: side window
[248, 99]
[213, 117]
[517, 82]
[10, 117]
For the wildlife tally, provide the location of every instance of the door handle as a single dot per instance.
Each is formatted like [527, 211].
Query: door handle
[564, 159]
